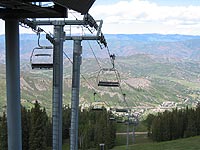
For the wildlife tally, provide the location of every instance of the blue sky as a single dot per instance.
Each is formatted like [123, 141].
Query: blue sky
[145, 16]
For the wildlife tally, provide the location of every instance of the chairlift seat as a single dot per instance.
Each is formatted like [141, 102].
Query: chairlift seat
[108, 77]
[122, 110]
[97, 109]
[42, 57]
[42, 66]
[112, 119]
[109, 84]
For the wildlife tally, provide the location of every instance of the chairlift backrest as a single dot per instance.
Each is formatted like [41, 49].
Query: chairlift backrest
[42, 57]
[108, 77]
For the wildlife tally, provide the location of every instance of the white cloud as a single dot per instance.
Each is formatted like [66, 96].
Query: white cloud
[142, 16]
[143, 11]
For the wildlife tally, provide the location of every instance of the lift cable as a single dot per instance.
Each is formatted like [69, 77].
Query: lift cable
[111, 56]
[81, 25]
[94, 55]
[89, 42]
[96, 58]
[38, 30]
[29, 24]
[82, 75]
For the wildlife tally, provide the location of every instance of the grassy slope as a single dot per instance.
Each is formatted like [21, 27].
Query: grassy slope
[181, 144]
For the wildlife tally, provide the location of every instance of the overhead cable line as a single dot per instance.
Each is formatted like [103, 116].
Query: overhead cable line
[111, 56]
[88, 41]
[29, 24]
[94, 55]
[81, 74]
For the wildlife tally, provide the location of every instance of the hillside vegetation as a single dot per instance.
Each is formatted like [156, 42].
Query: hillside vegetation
[157, 71]
[147, 81]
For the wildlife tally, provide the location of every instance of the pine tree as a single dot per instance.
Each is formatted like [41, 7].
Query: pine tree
[37, 139]
[49, 133]
[110, 134]
[180, 125]
[156, 129]
[198, 119]
[0, 129]
[66, 122]
[25, 128]
[191, 129]
[174, 128]
[149, 122]
[4, 135]
[95, 128]
[165, 126]
[112, 131]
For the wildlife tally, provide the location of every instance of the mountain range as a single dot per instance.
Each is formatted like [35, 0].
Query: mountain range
[172, 46]
[156, 71]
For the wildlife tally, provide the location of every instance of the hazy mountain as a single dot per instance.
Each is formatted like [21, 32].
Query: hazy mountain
[157, 71]
[168, 46]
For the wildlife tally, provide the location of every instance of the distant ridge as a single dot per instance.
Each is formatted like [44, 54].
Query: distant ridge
[159, 45]
[154, 37]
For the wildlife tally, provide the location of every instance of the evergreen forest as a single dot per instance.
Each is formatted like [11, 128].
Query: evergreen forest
[175, 124]
[95, 127]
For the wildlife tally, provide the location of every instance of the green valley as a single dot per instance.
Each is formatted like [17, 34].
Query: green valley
[150, 83]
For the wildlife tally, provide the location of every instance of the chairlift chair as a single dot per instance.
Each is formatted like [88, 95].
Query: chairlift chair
[122, 110]
[97, 108]
[132, 121]
[112, 119]
[120, 119]
[42, 57]
[112, 77]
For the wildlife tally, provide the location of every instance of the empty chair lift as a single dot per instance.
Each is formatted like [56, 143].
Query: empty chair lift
[42, 57]
[108, 77]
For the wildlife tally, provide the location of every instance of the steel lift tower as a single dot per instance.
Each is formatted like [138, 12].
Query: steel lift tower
[77, 51]
[57, 40]
[12, 11]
